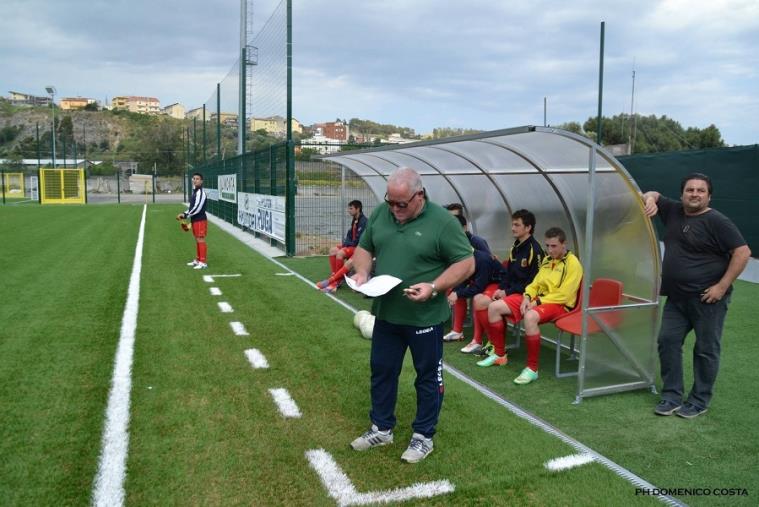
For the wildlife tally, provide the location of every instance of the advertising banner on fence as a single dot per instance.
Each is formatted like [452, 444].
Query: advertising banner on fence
[227, 185]
[262, 213]
[212, 193]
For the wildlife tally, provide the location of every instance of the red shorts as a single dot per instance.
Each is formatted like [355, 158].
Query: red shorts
[490, 290]
[548, 311]
[200, 228]
[514, 302]
[348, 251]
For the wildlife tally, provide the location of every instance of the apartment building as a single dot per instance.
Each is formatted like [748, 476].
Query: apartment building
[333, 130]
[175, 110]
[74, 103]
[274, 125]
[25, 99]
[144, 105]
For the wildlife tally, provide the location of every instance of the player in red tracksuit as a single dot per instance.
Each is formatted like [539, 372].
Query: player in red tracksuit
[197, 214]
[339, 256]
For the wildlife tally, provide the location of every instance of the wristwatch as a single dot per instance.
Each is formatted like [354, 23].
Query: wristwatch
[434, 292]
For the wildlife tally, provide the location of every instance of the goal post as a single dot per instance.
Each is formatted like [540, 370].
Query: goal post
[62, 186]
[14, 184]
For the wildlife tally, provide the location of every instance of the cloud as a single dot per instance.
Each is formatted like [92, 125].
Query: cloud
[421, 64]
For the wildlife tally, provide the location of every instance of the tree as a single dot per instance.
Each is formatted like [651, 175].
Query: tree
[652, 134]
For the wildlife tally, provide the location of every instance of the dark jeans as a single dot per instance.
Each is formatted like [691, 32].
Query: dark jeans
[680, 317]
[389, 344]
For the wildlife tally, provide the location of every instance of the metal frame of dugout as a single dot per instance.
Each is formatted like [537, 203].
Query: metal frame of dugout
[568, 181]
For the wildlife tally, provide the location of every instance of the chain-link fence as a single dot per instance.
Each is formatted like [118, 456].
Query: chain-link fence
[321, 217]
[121, 187]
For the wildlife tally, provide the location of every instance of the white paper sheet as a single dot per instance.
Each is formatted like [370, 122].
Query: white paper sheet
[376, 286]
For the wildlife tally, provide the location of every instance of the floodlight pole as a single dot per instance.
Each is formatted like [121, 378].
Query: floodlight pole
[51, 91]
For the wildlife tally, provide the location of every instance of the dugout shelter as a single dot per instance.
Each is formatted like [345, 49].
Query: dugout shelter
[568, 181]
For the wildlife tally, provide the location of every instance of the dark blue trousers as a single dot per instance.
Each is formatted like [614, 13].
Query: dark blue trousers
[389, 344]
[680, 316]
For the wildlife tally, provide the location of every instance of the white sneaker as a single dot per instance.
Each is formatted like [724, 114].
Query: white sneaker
[201, 265]
[453, 336]
[372, 438]
[418, 449]
[194, 262]
[472, 348]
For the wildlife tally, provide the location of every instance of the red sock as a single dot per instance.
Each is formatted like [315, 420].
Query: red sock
[477, 329]
[202, 250]
[533, 350]
[480, 324]
[332, 267]
[338, 276]
[497, 335]
[459, 314]
[339, 264]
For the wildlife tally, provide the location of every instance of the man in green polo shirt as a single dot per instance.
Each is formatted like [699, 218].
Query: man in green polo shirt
[422, 244]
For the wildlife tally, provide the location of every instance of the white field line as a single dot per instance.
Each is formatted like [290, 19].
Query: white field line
[342, 490]
[238, 328]
[210, 278]
[225, 307]
[215, 291]
[567, 462]
[285, 403]
[256, 359]
[620, 471]
[109, 481]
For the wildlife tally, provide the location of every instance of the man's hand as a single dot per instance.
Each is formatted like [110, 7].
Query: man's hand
[419, 292]
[527, 305]
[499, 294]
[360, 278]
[649, 203]
[713, 294]
[452, 298]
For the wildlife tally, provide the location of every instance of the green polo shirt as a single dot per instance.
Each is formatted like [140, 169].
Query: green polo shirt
[417, 251]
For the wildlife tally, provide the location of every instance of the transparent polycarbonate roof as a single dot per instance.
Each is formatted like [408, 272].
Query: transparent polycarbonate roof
[548, 171]
[544, 170]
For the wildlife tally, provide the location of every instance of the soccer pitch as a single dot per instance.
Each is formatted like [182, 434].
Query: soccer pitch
[208, 419]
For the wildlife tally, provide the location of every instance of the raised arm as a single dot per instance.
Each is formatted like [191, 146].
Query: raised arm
[650, 199]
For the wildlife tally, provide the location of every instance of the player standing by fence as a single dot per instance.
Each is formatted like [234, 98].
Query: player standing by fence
[197, 215]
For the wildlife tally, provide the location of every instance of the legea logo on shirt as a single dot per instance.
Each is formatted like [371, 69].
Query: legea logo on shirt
[417, 233]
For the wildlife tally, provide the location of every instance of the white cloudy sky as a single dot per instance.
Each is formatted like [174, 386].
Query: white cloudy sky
[420, 63]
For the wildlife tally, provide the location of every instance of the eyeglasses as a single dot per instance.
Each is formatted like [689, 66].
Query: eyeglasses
[400, 204]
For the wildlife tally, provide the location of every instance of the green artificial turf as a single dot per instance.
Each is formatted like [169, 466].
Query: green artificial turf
[204, 429]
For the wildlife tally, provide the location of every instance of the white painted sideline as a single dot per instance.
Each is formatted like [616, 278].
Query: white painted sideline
[225, 307]
[342, 490]
[567, 462]
[256, 359]
[622, 472]
[285, 403]
[238, 328]
[109, 481]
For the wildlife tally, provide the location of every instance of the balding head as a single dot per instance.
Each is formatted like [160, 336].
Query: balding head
[405, 195]
[407, 178]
